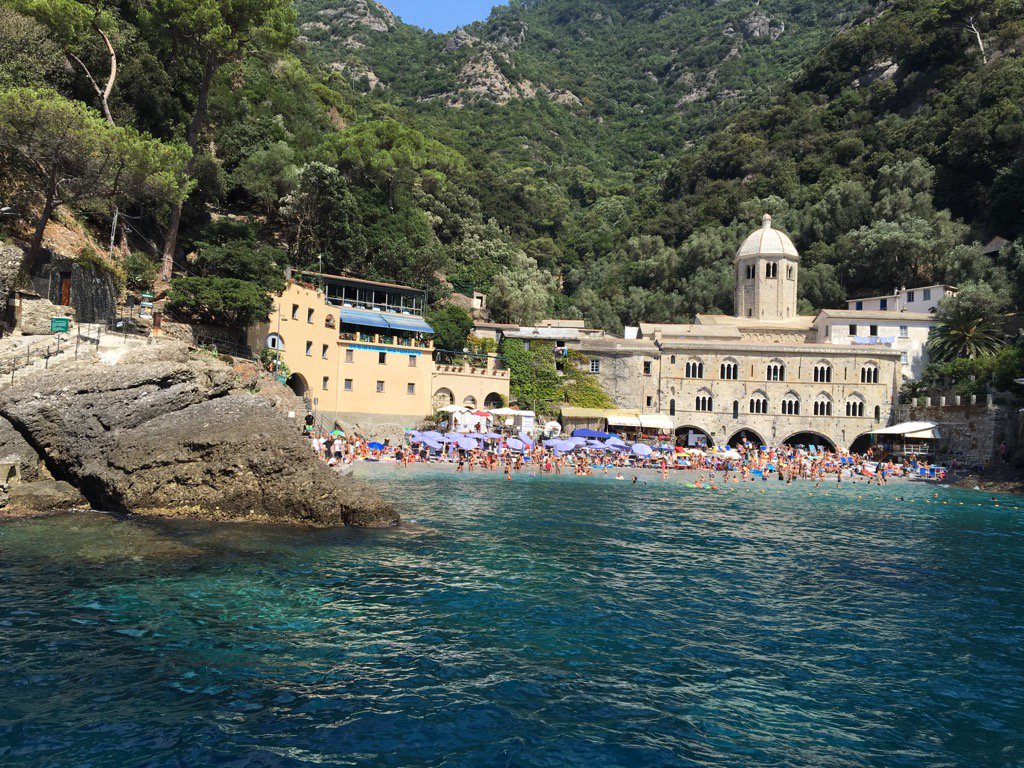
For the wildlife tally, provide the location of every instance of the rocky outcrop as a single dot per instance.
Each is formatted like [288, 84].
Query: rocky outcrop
[14, 449]
[359, 14]
[43, 498]
[758, 25]
[460, 39]
[161, 433]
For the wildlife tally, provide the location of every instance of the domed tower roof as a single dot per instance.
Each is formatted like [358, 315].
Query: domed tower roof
[767, 242]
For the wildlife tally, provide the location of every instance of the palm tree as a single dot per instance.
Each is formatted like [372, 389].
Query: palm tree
[963, 332]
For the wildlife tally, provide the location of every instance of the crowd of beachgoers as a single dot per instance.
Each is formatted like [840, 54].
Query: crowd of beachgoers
[614, 457]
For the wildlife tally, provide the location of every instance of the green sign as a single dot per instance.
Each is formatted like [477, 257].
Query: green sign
[60, 325]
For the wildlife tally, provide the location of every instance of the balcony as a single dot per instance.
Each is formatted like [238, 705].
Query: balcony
[386, 339]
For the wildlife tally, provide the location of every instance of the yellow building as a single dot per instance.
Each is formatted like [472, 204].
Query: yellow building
[358, 352]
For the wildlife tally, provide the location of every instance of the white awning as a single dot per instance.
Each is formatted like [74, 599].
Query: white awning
[656, 421]
[623, 420]
[920, 430]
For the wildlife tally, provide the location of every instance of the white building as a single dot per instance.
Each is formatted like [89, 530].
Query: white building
[925, 299]
[906, 332]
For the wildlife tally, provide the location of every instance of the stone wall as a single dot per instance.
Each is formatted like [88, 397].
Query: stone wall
[971, 434]
[34, 315]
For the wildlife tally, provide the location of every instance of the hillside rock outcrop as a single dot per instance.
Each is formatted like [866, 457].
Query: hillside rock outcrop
[170, 437]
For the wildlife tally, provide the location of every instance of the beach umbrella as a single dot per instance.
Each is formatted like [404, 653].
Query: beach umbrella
[375, 446]
[515, 445]
[615, 440]
[576, 441]
[337, 433]
[414, 436]
[642, 450]
[466, 444]
[432, 444]
[565, 446]
[551, 443]
[452, 437]
[492, 436]
[666, 448]
[526, 439]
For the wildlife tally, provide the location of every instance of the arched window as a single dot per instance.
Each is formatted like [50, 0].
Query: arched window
[671, 407]
[751, 271]
[822, 372]
[789, 272]
[823, 405]
[274, 341]
[878, 413]
[759, 403]
[776, 371]
[673, 359]
[855, 406]
[869, 374]
[730, 370]
[469, 401]
[735, 409]
[694, 369]
[791, 404]
[771, 269]
[704, 401]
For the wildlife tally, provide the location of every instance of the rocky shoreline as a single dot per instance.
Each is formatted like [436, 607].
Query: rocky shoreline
[163, 432]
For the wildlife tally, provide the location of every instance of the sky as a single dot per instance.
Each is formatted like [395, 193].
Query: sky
[440, 15]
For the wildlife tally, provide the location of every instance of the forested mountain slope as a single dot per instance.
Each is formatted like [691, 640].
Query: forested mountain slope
[578, 157]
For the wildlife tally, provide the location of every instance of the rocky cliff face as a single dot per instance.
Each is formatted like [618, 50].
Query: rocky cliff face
[162, 433]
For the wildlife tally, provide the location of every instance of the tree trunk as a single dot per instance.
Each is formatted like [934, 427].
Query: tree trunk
[44, 218]
[194, 129]
[981, 46]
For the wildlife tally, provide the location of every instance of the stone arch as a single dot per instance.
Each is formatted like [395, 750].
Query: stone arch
[298, 384]
[807, 437]
[747, 434]
[862, 442]
[443, 397]
[493, 400]
[684, 433]
[469, 401]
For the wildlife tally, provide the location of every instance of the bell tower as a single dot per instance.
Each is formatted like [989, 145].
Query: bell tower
[766, 275]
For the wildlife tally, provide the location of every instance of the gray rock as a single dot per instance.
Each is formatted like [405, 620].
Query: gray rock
[174, 438]
[15, 449]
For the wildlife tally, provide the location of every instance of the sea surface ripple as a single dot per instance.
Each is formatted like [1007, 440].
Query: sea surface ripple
[550, 621]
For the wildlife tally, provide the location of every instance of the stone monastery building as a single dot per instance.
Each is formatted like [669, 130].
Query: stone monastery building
[767, 373]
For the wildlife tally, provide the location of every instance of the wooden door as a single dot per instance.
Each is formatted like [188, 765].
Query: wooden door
[65, 289]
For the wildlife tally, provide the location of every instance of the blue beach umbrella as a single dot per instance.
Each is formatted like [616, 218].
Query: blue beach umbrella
[375, 446]
[615, 440]
[642, 450]
[466, 444]
[552, 443]
[515, 445]
[525, 438]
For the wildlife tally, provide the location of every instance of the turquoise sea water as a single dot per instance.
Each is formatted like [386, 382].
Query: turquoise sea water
[539, 622]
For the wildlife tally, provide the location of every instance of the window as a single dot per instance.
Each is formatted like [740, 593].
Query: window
[791, 405]
[873, 330]
[704, 403]
[309, 315]
[694, 369]
[927, 294]
[822, 373]
[647, 367]
[789, 272]
[910, 296]
[671, 407]
[380, 386]
[776, 372]
[410, 388]
[672, 360]
[904, 331]
[869, 374]
[348, 385]
[323, 352]
[295, 311]
[382, 358]
[855, 407]
[327, 381]
[904, 358]
[823, 406]
[771, 269]
[878, 413]
[883, 304]
[750, 313]
[730, 371]
[412, 361]
[349, 356]
[859, 305]
[650, 401]
[759, 404]
[853, 330]
[309, 349]
[751, 271]
[595, 366]
[735, 409]
[275, 342]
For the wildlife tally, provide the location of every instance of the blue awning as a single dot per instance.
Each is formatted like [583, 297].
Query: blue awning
[366, 319]
[409, 323]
